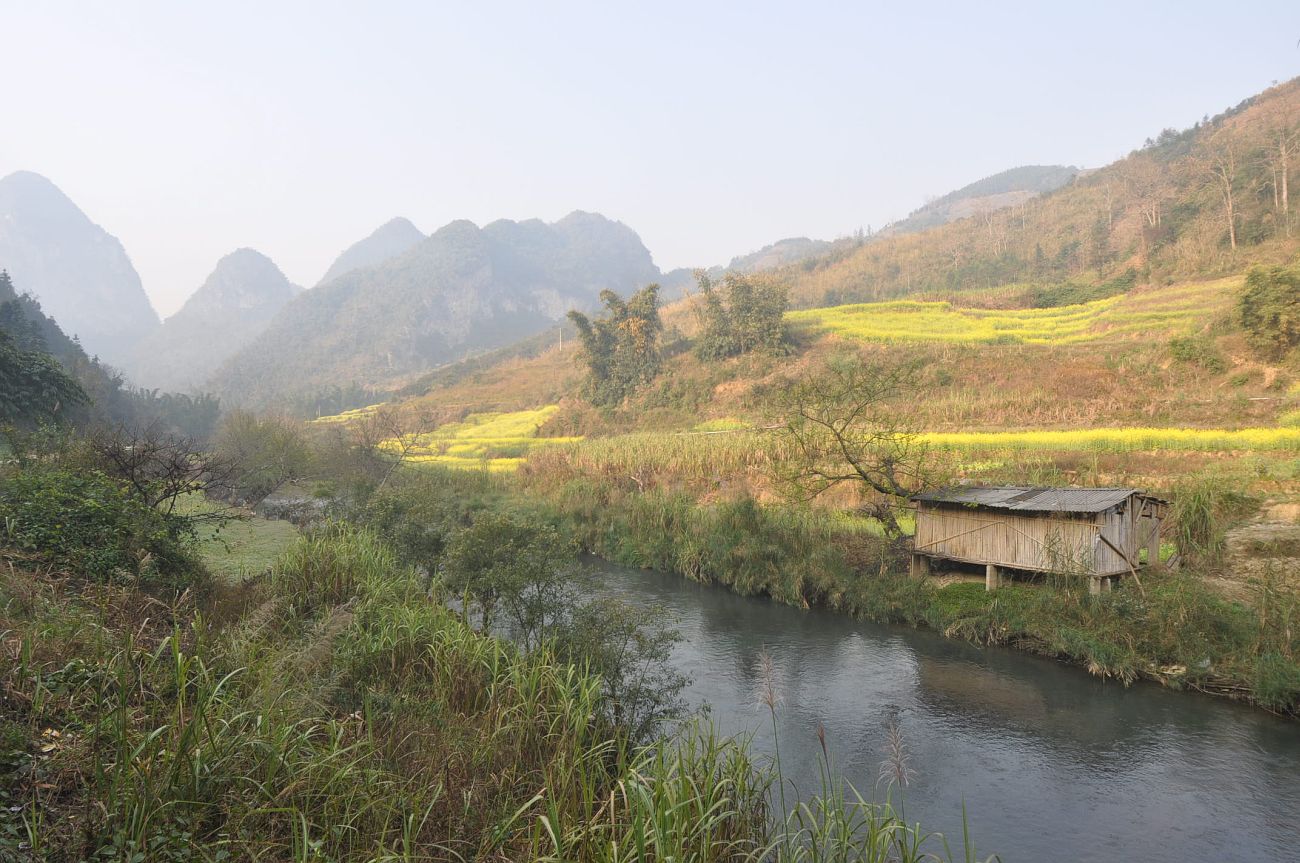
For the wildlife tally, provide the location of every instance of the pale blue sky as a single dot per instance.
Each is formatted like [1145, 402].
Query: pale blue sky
[190, 129]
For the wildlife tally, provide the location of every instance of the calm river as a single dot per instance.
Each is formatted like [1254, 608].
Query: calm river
[1052, 764]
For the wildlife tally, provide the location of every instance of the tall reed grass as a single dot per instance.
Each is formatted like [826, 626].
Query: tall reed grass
[336, 711]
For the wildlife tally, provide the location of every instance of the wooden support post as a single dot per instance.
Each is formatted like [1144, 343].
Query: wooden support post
[920, 565]
[992, 577]
[1099, 584]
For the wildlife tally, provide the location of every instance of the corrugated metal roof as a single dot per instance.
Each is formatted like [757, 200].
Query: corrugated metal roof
[1032, 499]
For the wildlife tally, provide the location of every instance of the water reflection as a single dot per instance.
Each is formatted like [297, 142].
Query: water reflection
[1051, 764]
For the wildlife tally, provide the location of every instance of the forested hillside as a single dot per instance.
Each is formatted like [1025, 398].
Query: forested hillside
[1202, 202]
[39, 355]
[462, 290]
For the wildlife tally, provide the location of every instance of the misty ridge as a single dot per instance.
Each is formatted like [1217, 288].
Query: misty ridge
[389, 307]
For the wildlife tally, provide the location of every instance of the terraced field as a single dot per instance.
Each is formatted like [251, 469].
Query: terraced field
[1166, 311]
[485, 441]
[348, 416]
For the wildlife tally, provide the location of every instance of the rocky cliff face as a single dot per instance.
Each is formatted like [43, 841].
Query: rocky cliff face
[79, 272]
[461, 290]
[231, 308]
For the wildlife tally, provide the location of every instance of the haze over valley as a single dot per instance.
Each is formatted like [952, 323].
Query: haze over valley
[607, 433]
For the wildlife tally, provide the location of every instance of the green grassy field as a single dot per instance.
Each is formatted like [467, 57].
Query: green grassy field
[247, 547]
[1163, 310]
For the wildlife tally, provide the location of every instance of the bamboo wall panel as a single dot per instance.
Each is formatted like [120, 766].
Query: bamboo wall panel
[1058, 541]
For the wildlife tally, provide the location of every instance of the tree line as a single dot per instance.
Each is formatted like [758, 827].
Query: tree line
[622, 350]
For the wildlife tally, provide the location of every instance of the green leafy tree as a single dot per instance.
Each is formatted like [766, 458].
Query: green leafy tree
[743, 314]
[1269, 310]
[523, 569]
[34, 388]
[620, 348]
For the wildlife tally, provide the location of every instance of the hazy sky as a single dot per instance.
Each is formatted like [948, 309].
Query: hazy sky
[190, 129]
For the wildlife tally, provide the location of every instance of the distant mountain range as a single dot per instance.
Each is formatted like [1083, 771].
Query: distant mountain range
[1005, 189]
[1161, 213]
[78, 271]
[396, 303]
[388, 241]
[463, 289]
[235, 304]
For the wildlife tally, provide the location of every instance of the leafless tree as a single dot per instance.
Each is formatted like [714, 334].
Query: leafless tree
[1149, 186]
[1281, 140]
[1219, 159]
[850, 423]
[159, 467]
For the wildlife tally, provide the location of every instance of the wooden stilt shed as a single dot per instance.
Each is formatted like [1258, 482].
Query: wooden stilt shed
[1096, 532]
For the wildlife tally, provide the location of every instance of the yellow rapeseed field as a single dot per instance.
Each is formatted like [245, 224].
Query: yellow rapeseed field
[486, 441]
[348, 416]
[1161, 310]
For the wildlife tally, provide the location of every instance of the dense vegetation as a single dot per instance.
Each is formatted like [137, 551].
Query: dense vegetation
[1269, 310]
[341, 704]
[49, 377]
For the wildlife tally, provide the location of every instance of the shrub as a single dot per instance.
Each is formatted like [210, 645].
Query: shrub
[93, 523]
[522, 566]
[744, 314]
[1269, 310]
[1198, 350]
[1202, 509]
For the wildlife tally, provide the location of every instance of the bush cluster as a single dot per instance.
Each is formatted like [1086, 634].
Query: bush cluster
[93, 524]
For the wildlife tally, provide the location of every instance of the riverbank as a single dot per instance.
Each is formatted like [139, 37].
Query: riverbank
[1174, 630]
[321, 702]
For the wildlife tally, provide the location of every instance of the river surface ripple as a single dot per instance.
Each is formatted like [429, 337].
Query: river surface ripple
[1051, 763]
